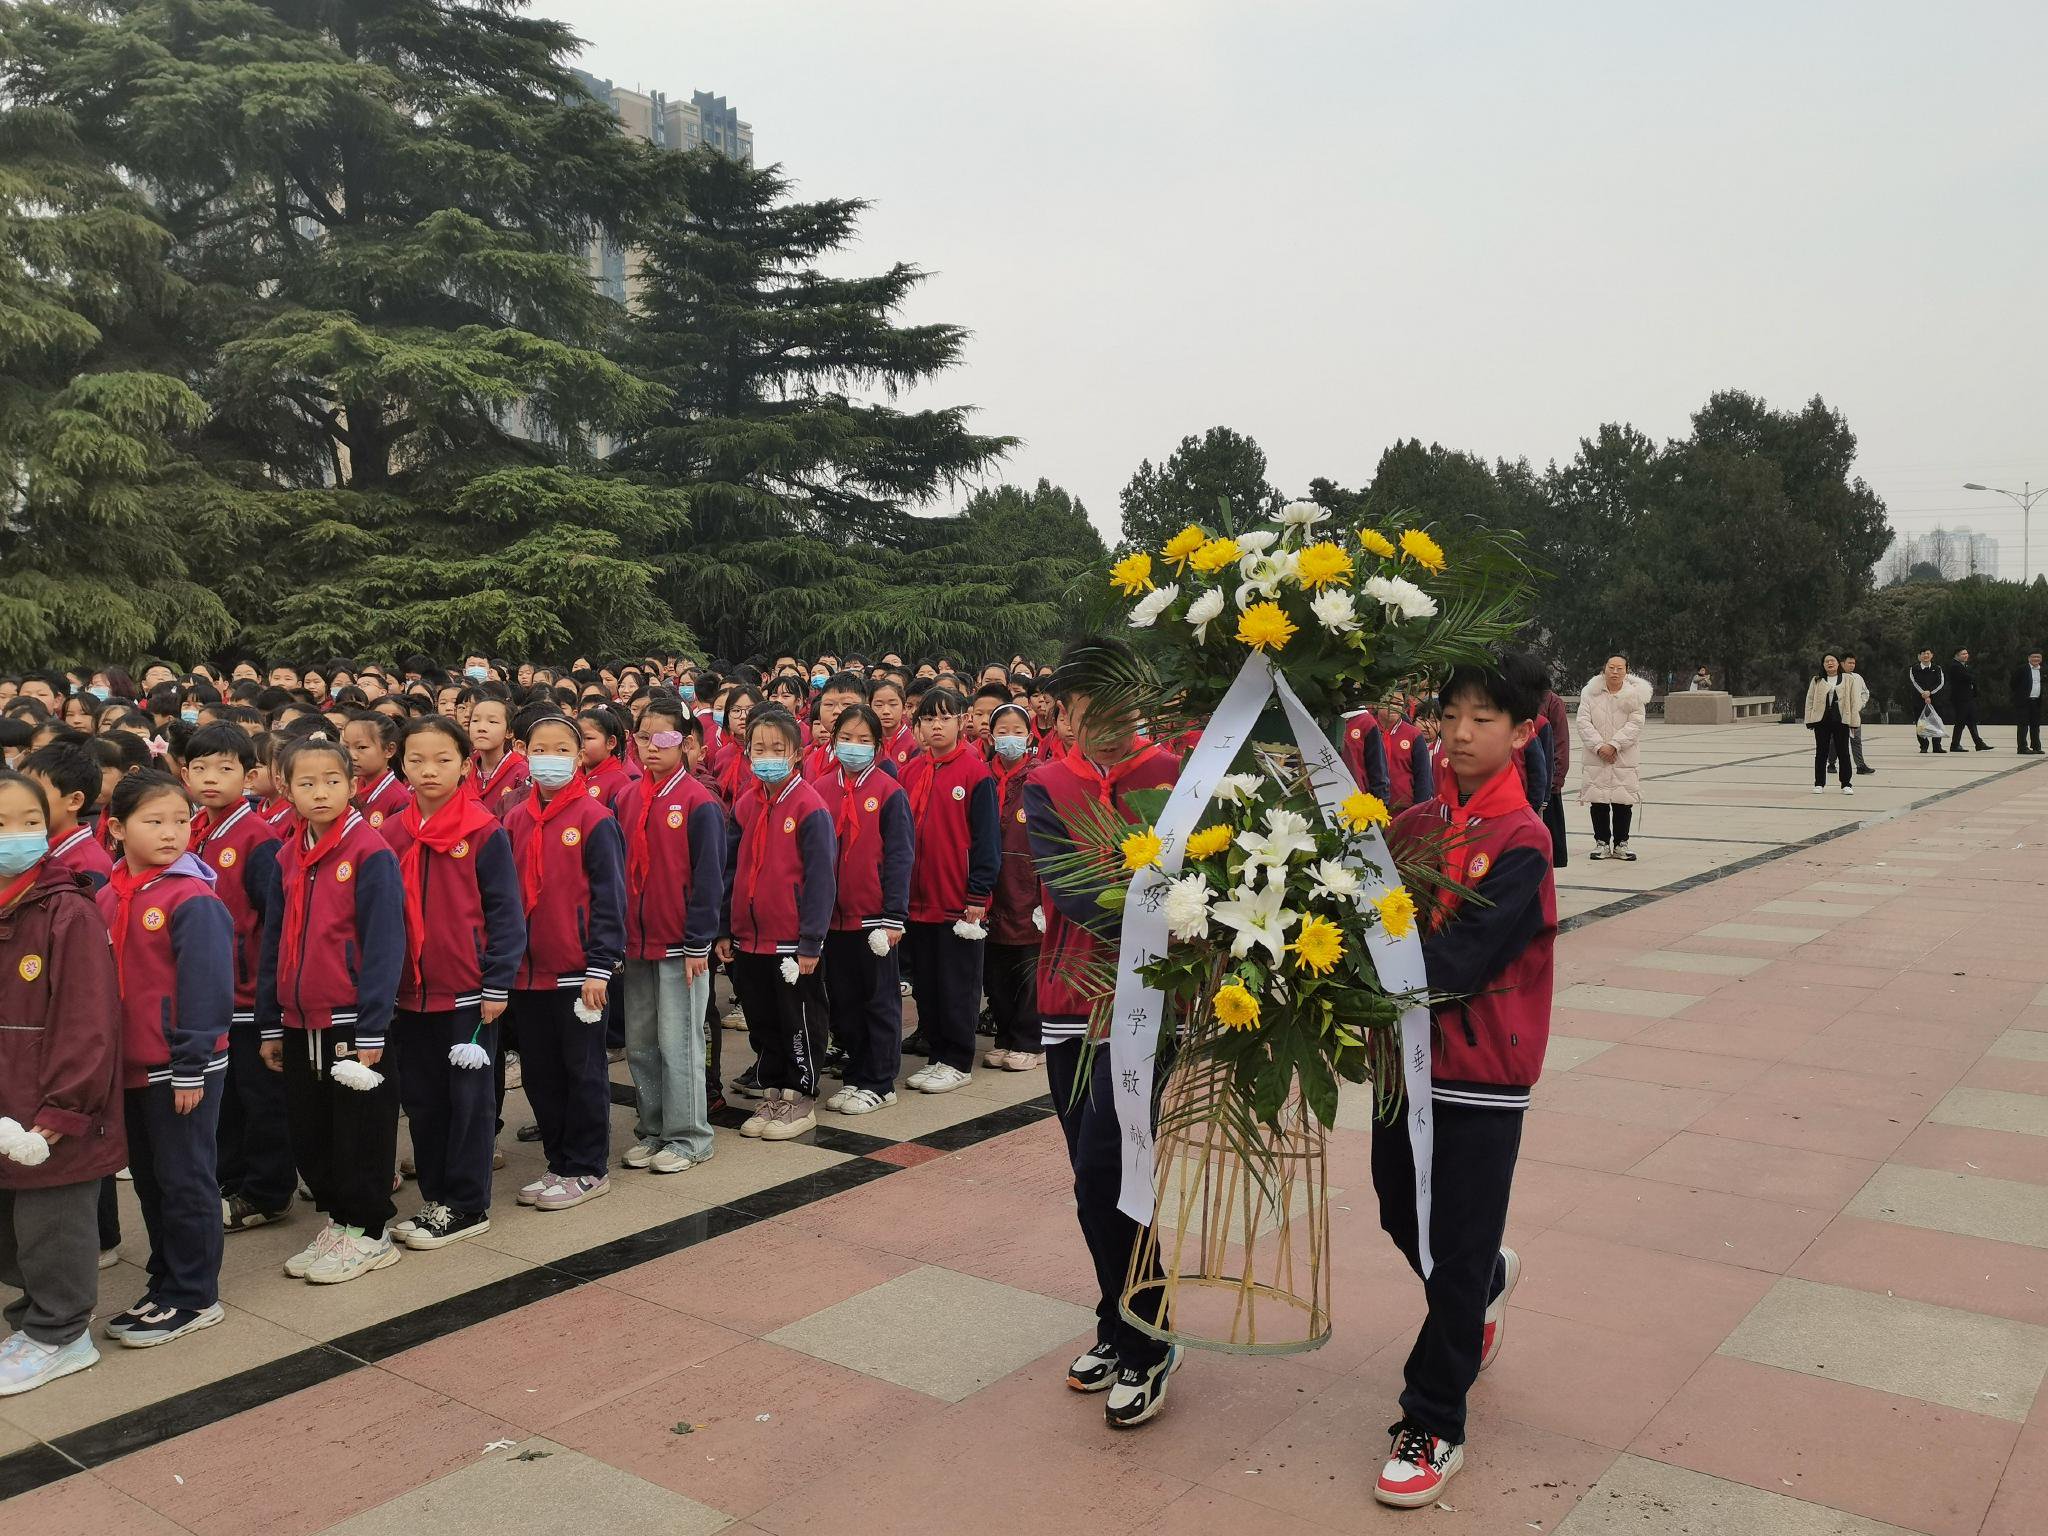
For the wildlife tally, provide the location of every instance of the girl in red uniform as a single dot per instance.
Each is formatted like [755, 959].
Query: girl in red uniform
[606, 772]
[1011, 962]
[372, 742]
[498, 769]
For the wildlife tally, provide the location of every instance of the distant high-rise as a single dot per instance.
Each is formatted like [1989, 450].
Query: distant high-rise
[704, 121]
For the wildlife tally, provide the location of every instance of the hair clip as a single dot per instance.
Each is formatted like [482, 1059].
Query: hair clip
[158, 746]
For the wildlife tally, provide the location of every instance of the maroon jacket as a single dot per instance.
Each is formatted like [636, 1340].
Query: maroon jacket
[80, 852]
[1410, 776]
[176, 967]
[672, 908]
[353, 910]
[382, 802]
[576, 923]
[475, 929]
[60, 1054]
[877, 844]
[506, 787]
[781, 877]
[241, 850]
[959, 845]
[1009, 910]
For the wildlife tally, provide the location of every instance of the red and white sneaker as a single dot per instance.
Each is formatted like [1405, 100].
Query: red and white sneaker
[1418, 1467]
[1497, 1310]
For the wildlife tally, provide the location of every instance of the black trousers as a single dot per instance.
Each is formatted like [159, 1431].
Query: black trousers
[1553, 818]
[1611, 822]
[1966, 719]
[177, 1183]
[948, 991]
[563, 1068]
[1094, 1149]
[2029, 724]
[785, 1024]
[714, 1042]
[866, 1007]
[1831, 746]
[1011, 974]
[1472, 1170]
[110, 1214]
[452, 1111]
[345, 1140]
[255, 1134]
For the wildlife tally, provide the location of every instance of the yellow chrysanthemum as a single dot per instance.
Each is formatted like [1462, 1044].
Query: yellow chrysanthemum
[1318, 947]
[1236, 1008]
[1397, 912]
[1422, 549]
[1324, 563]
[1376, 543]
[1216, 554]
[1132, 574]
[1266, 626]
[1362, 812]
[1140, 849]
[1209, 842]
[1182, 545]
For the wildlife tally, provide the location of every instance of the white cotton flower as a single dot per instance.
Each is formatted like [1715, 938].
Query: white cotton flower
[1153, 604]
[963, 929]
[878, 942]
[586, 1013]
[1335, 611]
[1257, 543]
[1259, 918]
[1334, 881]
[1204, 609]
[468, 1055]
[1238, 788]
[353, 1074]
[21, 1145]
[1400, 598]
[1303, 514]
[1038, 918]
[1286, 835]
[790, 972]
[1187, 908]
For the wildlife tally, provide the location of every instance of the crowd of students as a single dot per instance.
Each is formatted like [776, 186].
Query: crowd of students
[337, 895]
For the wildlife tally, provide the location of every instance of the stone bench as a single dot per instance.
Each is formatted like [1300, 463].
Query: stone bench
[1713, 707]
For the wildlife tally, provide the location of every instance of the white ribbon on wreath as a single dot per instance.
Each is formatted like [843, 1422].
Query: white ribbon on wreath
[1138, 1010]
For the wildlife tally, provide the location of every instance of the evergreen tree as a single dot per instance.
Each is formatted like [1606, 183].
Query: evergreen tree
[762, 357]
[1187, 487]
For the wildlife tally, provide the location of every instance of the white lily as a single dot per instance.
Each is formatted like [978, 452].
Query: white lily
[1153, 604]
[1335, 611]
[1259, 918]
[1400, 598]
[1187, 908]
[1257, 543]
[1263, 575]
[1334, 882]
[1238, 788]
[1202, 610]
[1303, 514]
[1286, 835]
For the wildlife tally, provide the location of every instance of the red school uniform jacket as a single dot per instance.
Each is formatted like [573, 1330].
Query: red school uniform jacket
[572, 875]
[606, 782]
[959, 844]
[174, 955]
[465, 923]
[277, 814]
[1009, 911]
[241, 850]
[82, 854]
[60, 1052]
[877, 844]
[1364, 749]
[333, 956]
[781, 880]
[901, 749]
[675, 866]
[383, 801]
[504, 786]
[1411, 779]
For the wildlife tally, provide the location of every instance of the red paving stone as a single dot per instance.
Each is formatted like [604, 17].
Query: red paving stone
[759, 1279]
[1972, 1274]
[1697, 1223]
[1817, 1180]
[907, 1155]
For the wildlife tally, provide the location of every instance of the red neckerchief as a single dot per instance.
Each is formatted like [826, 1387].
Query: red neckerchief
[1496, 797]
[124, 883]
[19, 886]
[610, 768]
[291, 944]
[1004, 773]
[202, 824]
[489, 785]
[1104, 784]
[462, 816]
[759, 849]
[846, 818]
[921, 794]
[638, 835]
[532, 863]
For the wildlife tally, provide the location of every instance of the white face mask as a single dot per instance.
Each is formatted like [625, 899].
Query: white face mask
[551, 772]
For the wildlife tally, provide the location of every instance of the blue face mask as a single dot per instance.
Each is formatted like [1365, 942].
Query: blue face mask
[1010, 748]
[20, 850]
[476, 674]
[689, 693]
[100, 693]
[856, 756]
[551, 772]
[189, 716]
[771, 770]
[820, 679]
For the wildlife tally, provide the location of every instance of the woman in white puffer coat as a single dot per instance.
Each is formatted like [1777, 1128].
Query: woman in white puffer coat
[1612, 710]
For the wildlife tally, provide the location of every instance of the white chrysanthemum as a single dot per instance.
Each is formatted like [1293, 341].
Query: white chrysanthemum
[963, 929]
[1334, 881]
[1204, 609]
[1335, 611]
[1257, 543]
[1400, 598]
[1238, 788]
[1038, 918]
[1187, 908]
[1153, 604]
[469, 1055]
[1303, 514]
[878, 942]
[790, 970]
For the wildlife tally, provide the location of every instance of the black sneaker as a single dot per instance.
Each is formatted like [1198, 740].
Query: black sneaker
[748, 1084]
[162, 1324]
[917, 1045]
[438, 1226]
[1094, 1371]
[714, 1101]
[238, 1213]
[116, 1326]
[834, 1063]
[528, 1133]
[1137, 1394]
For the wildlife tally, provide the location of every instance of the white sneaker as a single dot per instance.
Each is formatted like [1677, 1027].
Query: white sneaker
[528, 1193]
[1494, 1331]
[864, 1101]
[944, 1079]
[26, 1364]
[404, 1229]
[643, 1152]
[352, 1256]
[1820, 789]
[297, 1265]
[1599, 851]
[1136, 1396]
[734, 1019]
[799, 1114]
[767, 1114]
[995, 1056]
[838, 1100]
[515, 1074]
[671, 1159]
[922, 1075]
[1848, 789]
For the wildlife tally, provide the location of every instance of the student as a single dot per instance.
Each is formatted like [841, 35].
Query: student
[572, 875]
[1429, 720]
[1107, 761]
[1365, 752]
[899, 741]
[272, 803]
[174, 958]
[988, 698]
[1492, 958]
[465, 931]
[959, 855]
[605, 771]
[498, 770]
[71, 780]
[876, 844]
[1410, 778]
[60, 1074]
[675, 872]
[840, 691]
[324, 995]
[372, 742]
[1011, 961]
[257, 1177]
[777, 906]
[734, 776]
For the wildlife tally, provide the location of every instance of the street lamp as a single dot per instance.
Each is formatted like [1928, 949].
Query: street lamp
[2023, 498]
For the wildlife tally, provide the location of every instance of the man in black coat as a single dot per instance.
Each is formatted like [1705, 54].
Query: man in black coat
[1929, 684]
[1962, 699]
[2027, 687]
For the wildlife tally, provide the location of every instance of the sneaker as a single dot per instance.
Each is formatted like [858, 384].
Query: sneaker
[1139, 1394]
[297, 1265]
[109, 1257]
[351, 1256]
[571, 1192]
[1621, 851]
[164, 1324]
[921, 1076]
[1820, 789]
[125, 1175]
[1022, 1061]
[838, 1100]
[902, 988]
[834, 1063]
[1094, 1371]
[748, 1085]
[530, 1193]
[944, 1079]
[799, 1114]
[26, 1364]
[497, 1161]
[402, 1230]
[238, 1213]
[1497, 1310]
[1418, 1466]
[764, 1115]
[1600, 851]
[995, 1057]
[1848, 789]
[642, 1152]
[672, 1159]
[734, 1019]
[528, 1132]
[116, 1326]
[865, 1101]
[440, 1227]
[917, 1044]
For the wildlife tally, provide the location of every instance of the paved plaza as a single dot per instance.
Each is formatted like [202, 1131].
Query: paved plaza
[1783, 1205]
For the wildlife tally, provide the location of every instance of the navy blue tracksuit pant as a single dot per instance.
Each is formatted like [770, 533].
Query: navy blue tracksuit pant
[867, 1010]
[453, 1111]
[948, 991]
[255, 1129]
[177, 1183]
[563, 1068]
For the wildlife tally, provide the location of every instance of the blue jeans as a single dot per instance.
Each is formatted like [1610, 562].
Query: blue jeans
[664, 1015]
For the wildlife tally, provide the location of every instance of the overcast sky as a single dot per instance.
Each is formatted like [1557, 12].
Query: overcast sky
[1334, 223]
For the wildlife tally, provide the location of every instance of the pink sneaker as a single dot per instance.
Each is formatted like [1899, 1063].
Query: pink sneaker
[564, 1193]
